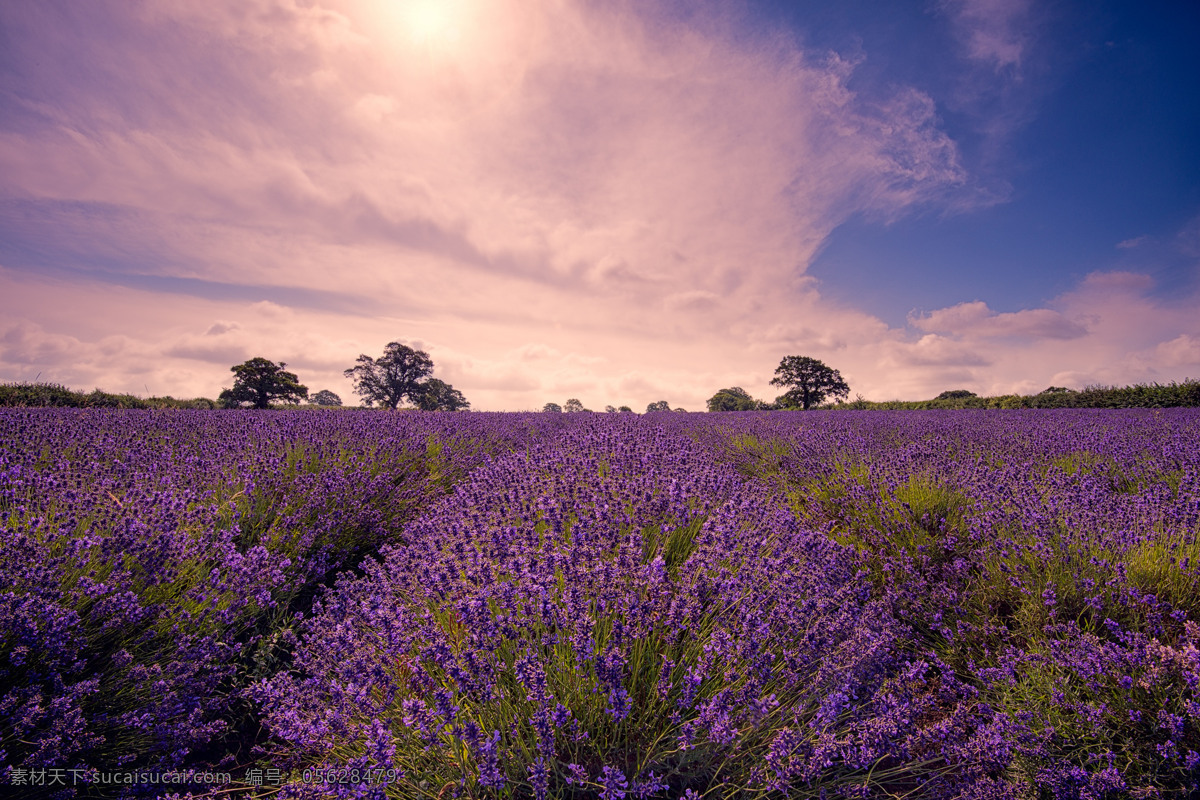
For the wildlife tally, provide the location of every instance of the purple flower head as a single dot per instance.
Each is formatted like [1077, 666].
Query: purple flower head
[577, 775]
[613, 784]
[490, 774]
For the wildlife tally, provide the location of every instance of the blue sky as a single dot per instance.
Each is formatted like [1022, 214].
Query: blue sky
[619, 201]
[1088, 142]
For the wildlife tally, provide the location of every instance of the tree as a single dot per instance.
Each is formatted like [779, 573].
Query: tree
[259, 381]
[624, 410]
[553, 408]
[733, 399]
[393, 377]
[810, 380]
[610, 409]
[572, 405]
[659, 405]
[955, 394]
[437, 395]
[325, 398]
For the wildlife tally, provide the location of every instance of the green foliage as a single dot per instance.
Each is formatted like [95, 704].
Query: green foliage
[196, 403]
[954, 394]
[734, 399]
[393, 377]
[919, 520]
[859, 403]
[39, 395]
[658, 405]
[44, 395]
[572, 406]
[552, 408]
[260, 381]
[1054, 397]
[1170, 395]
[1141, 395]
[811, 381]
[325, 398]
[437, 395]
[53, 395]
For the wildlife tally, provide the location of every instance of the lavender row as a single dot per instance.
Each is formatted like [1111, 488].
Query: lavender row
[1051, 558]
[613, 613]
[155, 562]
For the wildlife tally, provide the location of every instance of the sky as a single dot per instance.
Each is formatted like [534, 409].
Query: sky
[621, 201]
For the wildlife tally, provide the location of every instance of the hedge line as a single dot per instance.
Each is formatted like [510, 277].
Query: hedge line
[57, 395]
[1140, 395]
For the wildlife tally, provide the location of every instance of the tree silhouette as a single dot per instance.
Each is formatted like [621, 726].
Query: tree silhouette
[393, 377]
[810, 380]
[259, 381]
[325, 398]
[437, 395]
[733, 399]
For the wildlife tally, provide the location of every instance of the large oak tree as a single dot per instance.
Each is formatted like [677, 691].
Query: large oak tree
[811, 382]
[393, 377]
[259, 381]
[400, 374]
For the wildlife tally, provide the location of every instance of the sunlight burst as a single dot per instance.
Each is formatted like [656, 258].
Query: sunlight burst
[428, 21]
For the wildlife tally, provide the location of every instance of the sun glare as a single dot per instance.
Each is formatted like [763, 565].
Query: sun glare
[428, 18]
[427, 21]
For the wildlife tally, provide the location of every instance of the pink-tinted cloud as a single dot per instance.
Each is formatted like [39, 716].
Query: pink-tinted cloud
[975, 319]
[553, 198]
[1110, 329]
[1182, 351]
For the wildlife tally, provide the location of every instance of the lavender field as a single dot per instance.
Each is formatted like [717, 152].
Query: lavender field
[954, 604]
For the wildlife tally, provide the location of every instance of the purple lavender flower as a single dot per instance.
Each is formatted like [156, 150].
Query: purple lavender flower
[613, 784]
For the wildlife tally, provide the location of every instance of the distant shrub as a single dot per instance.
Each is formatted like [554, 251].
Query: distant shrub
[38, 395]
[99, 399]
[54, 395]
[46, 395]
